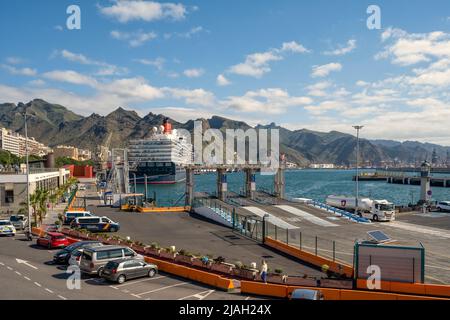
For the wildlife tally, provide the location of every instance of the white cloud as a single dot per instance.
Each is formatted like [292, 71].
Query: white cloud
[193, 73]
[186, 35]
[270, 101]
[222, 81]
[105, 69]
[125, 11]
[257, 64]
[318, 89]
[324, 70]
[29, 72]
[132, 89]
[37, 83]
[134, 39]
[70, 76]
[158, 63]
[411, 48]
[14, 60]
[196, 96]
[351, 45]
[293, 47]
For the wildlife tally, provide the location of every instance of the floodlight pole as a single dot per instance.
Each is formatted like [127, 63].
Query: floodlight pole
[357, 167]
[27, 171]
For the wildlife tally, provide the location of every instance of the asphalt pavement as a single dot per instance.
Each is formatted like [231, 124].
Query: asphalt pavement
[27, 273]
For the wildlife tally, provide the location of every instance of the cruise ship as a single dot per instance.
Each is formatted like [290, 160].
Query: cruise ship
[161, 157]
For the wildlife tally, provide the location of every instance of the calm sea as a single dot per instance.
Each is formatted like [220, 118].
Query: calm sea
[313, 184]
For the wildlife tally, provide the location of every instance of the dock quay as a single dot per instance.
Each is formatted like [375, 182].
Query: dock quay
[236, 224]
[403, 177]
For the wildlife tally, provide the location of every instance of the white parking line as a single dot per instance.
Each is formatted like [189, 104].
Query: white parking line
[17, 272]
[48, 290]
[27, 278]
[62, 298]
[200, 296]
[133, 282]
[163, 288]
[2, 264]
[9, 268]
[38, 284]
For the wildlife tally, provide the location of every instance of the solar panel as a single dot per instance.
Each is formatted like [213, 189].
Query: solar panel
[378, 236]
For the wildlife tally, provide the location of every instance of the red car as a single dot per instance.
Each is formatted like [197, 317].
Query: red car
[53, 240]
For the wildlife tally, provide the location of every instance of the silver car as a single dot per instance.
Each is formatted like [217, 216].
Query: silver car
[125, 269]
[93, 260]
[19, 221]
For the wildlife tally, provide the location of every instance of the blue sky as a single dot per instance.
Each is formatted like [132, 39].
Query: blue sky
[301, 64]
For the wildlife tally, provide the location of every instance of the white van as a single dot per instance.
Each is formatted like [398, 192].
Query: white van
[443, 206]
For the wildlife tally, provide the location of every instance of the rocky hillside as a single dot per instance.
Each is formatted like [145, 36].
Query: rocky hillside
[54, 124]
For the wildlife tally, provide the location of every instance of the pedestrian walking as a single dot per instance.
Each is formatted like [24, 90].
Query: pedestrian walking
[264, 271]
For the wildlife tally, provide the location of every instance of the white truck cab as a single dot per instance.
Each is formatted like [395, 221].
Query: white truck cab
[376, 210]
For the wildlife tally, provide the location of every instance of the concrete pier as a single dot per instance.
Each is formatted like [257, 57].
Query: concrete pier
[222, 185]
[250, 183]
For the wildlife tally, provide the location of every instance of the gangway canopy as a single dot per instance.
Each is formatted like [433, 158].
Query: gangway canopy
[378, 236]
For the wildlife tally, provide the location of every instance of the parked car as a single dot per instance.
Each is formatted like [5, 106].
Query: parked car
[95, 224]
[306, 294]
[53, 240]
[7, 228]
[125, 269]
[69, 216]
[63, 255]
[93, 260]
[19, 221]
[443, 206]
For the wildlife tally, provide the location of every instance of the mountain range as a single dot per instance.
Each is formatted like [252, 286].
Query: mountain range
[54, 124]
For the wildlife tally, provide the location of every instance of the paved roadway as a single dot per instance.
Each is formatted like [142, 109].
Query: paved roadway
[38, 278]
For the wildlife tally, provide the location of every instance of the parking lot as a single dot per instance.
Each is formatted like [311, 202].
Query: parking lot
[26, 272]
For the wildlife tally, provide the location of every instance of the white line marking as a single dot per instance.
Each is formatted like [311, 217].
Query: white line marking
[200, 296]
[416, 228]
[248, 298]
[133, 282]
[436, 267]
[275, 220]
[61, 297]
[38, 284]
[48, 290]
[27, 278]
[2, 264]
[9, 268]
[20, 261]
[307, 216]
[17, 272]
[125, 291]
[163, 288]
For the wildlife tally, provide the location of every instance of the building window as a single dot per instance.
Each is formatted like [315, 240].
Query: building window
[9, 196]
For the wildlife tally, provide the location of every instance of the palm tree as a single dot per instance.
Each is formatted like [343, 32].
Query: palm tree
[42, 205]
[34, 203]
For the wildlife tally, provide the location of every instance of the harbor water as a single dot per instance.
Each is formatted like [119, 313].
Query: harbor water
[312, 184]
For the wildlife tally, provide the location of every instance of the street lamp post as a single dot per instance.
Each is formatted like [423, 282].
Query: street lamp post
[357, 167]
[28, 169]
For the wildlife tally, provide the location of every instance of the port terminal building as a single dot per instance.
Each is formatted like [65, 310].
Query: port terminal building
[13, 186]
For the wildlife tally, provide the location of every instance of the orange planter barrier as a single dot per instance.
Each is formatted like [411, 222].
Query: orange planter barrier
[211, 279]
[309, 257]
[37, 231]
[410, 288]
[163, 209]
[281, 291]
[262, 289]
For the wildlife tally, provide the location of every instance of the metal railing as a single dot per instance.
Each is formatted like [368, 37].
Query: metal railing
[338, 212]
